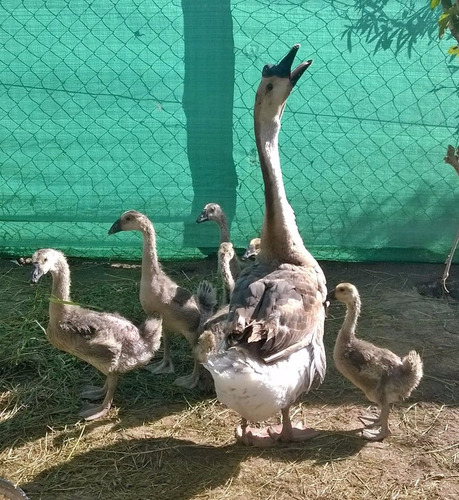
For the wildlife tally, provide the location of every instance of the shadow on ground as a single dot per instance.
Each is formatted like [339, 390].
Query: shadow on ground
[165, 468]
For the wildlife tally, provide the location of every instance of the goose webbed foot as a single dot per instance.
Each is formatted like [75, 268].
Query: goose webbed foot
[254, 437]
[288, 432]
[370, 420]
[370, 432]
[91, 412]
[93, 393]
[294, 432]
[165, 366]
[189, 381]
[373, 434]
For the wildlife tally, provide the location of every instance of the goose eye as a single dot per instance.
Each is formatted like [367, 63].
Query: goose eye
[269, 87]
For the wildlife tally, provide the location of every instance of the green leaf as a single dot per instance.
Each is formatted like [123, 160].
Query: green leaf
[454, 50]
[434, 3]
[443, 22]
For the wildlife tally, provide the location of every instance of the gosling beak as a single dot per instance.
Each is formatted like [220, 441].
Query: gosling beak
[284, 68]
[203, 216]
[248, 253]
[35, 274]
[116, 227]
[331, 295]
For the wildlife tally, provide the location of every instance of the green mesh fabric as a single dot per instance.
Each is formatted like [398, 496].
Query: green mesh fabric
[113, 105]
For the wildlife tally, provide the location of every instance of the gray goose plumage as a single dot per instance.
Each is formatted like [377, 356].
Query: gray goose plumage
[383, 376]
[273, 335]
[182, 312]
[107, 341]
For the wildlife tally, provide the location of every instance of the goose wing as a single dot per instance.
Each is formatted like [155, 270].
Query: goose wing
[92, 325]
[273, 311]
[100, 335]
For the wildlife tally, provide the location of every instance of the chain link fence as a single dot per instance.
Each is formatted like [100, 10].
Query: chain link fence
[114, 105]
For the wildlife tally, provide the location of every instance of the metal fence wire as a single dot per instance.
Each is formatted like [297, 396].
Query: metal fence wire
[113, 105]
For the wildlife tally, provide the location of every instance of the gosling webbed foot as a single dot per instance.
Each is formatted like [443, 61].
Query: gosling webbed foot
[93, 393]
[91, 412]
[165, 366]
[370, 420]
[373, 434]
[187, 381]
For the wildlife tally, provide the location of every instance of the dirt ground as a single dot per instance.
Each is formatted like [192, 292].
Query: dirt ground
[163, 442]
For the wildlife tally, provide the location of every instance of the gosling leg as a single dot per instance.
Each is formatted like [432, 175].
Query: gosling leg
[370, 420]
[189, 381]
[165, 365]
[98, 411]
[93, 393]
[371, 434]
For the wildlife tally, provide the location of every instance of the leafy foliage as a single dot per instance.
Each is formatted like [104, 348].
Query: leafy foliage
[448, 20]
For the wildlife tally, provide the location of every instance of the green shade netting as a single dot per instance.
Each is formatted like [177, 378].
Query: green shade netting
[114, 105]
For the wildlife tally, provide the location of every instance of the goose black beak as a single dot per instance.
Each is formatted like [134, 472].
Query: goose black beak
[116, 227]
[203, 216]
[284, 68]
[35, 274]
[331, 295]
[298, 71]
[249, 253]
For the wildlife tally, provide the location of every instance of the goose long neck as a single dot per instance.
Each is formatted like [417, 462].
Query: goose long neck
[224, 229]
[61, 281]
[279, 230]
[61, 287]
[150, 264]
[347, 331]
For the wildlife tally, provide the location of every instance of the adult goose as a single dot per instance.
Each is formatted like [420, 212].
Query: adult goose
[273, 334]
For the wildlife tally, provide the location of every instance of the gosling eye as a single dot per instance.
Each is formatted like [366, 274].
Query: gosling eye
[269, 87]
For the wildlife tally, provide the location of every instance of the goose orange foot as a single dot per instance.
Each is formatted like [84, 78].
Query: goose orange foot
[296, 432]
[249, 436]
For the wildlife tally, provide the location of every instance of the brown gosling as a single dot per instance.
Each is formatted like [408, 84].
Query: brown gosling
[252, 249]
[181, 311]
[229, 266]
[383, 376]
[107, 341]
